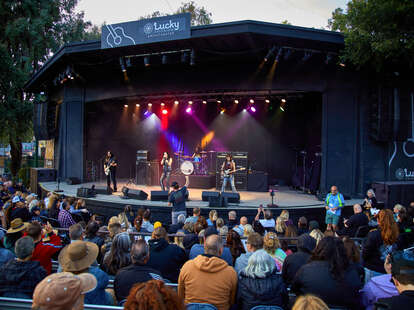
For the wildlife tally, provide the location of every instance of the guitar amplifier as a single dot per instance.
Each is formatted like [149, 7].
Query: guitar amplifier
[141, 172]
[240, 181]
[142, 155]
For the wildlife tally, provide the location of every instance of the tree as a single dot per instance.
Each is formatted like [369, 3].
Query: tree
[379, 34]
[30, 31]
[286, 22]
[199, 14]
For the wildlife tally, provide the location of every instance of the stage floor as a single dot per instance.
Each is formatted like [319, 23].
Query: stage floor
[284, 198]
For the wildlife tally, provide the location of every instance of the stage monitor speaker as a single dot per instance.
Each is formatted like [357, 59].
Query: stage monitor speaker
[231, 197]
[205, 195]
[73, 181]
[159, 195]
[102, 190]
[84, 192]
[135, 193]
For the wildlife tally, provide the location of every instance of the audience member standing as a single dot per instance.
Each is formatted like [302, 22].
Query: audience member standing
[177, 198]
[259, 283]
[165, 257]
[208, 278]
[334, 202]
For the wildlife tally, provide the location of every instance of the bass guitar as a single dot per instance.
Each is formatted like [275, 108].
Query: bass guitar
[228, 172]
[107, 168]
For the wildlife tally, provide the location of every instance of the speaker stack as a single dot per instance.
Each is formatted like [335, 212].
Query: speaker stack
[240, 177]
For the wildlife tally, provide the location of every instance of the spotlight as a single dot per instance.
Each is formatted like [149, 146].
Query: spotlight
[164, 111]
[162, 104]
[125, 106]
[176, 102]
[204, 102]
[267, 101]
[218, 101]
[122, 64]
[236, 101]
[137, 105]
[283, 100]
[342, 64]
[279, 53]
[283, 105]
[190, 102]
[244, 110]
[251, 101]
[188, 110]
[192, 58]
[222, 111]
[270, 53]
[253, 109]
[147, 61]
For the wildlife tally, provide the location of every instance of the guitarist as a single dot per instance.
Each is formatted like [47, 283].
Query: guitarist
[110, 165]
[227, 172]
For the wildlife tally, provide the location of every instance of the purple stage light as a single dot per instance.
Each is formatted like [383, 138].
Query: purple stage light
[253, 109]
[147, 113]
[188, 110]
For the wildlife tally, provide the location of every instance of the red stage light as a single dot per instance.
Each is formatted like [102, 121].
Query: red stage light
[164, 111]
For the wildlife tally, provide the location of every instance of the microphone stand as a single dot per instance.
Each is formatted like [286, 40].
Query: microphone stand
[58, 190]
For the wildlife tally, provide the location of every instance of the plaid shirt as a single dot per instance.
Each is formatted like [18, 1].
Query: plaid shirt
[65, 219]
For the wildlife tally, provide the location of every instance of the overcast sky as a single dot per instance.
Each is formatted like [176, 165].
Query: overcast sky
[307, 13]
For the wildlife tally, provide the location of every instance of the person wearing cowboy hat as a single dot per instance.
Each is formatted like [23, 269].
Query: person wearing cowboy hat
[63, 291]
[79, 257]
[16, 230]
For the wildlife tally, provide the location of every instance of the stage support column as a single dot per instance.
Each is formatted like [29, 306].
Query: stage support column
[71, 133]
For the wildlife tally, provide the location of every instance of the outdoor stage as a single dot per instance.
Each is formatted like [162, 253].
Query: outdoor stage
[298, 203]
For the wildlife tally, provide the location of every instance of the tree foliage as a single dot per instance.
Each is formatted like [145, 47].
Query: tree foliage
[199, 14]
[379, 34]
[30, 31]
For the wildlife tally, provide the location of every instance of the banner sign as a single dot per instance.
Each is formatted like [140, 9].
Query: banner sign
[174, 27]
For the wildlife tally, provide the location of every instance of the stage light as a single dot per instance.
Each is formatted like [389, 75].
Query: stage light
[342, 64]
[125, 106]
[244, 110]
[137, 105]
[251, 101]
[283, 100]
[222, 111]
[282, 105]
[176, 102]
[147, 113]
[204, 102]
[267, 101]
[279, 53]
[147, 61]
[164, 111]
[190, 102]
[122, 64]
[218, 101]
[188, 110]
[150, 104]
[253, 109]
[236, 101]
[162, 104]
[270, 53]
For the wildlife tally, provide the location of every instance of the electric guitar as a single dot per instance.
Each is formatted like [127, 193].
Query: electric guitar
[228, 172]
[107, 168]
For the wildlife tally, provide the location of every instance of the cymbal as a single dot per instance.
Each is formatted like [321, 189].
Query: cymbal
[186, 156]
[203, 152]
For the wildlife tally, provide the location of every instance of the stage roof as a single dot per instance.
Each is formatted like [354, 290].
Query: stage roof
[233, 37]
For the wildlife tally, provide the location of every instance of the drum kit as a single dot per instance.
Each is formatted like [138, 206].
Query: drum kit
[196, 165]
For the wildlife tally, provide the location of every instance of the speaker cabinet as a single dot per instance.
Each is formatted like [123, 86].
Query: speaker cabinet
[41, 175]
[231, 197]
[136, 194]
[73, 181]
[205, 195]
[159, 196]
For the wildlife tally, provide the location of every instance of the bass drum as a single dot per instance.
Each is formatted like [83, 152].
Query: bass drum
[187, 167]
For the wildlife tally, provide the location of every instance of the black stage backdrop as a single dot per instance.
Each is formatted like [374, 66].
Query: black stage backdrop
[270, 136]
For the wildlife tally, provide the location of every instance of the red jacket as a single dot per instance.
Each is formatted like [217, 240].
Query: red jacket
[44, 251]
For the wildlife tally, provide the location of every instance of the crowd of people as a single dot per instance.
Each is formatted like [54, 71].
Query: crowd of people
[229, 263]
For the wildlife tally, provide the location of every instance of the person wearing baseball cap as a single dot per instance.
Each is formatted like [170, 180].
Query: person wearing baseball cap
[79, 257]
[19, 209]
[63, 291]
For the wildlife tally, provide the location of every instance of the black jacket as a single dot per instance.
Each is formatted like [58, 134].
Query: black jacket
[292, 264]
[167, 258]
[374, 251]
[404, 301]
[315, 278]
[130, 275]
[19, 279]
[253, 292]
[175, 227]
[354, 222]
